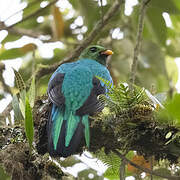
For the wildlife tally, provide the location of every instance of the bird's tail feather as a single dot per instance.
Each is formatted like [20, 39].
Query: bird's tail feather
[57, 143]
[72, 123]
[85, 121]
[57, 120]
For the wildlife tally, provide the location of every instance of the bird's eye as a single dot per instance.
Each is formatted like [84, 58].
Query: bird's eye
[93, 49]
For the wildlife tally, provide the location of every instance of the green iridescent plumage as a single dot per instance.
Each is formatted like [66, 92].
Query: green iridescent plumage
[73, 90]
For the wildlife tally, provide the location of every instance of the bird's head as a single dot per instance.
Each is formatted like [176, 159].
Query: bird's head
[97, 53]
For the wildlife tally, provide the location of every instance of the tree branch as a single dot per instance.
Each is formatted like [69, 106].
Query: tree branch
[28, 32]
[144, 4]
[31, 33]
[145, 169]
[23, 32]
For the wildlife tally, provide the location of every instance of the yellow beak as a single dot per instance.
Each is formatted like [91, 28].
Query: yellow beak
[107, 52]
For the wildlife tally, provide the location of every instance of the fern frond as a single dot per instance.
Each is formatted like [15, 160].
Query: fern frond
[111, 160]
[124, 105]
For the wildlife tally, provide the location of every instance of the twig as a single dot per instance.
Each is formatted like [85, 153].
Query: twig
[32, 15]
[21, 31]
[145, 169]
[26, 32]
[5, 86]
[151, 163]
[122, 170]
[17, 12]
[144, 4]
[7, 110]
[102, 9]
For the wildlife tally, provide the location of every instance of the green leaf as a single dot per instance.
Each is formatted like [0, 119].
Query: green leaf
[173, 107]
[175, 22]
[32, 6]
[22, 102]
[112, 161]
[19, 81]
[156, 25]
[29, 24]
[172, 69]
[22, 107]
[29, 128]
[84, 174]
[177, 4]
[173, 46]
[152, 61]
[130, 155]
[171, 114]
[23, 96]
[10, 38]
[3, 175]
[163, 171]
[17, 52]
[168, 6]
[17, 112]
[1, 96]
[32, 92]
[173, 49]
[11, 54]
[69, 161]
[88, 9]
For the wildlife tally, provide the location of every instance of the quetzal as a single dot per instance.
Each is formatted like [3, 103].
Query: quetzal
[73, 90]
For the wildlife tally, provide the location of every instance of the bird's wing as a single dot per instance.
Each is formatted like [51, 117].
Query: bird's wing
[77, 85]
[92, 104]
[54, 89]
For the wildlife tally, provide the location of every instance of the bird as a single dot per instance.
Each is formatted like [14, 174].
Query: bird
[73, 90]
